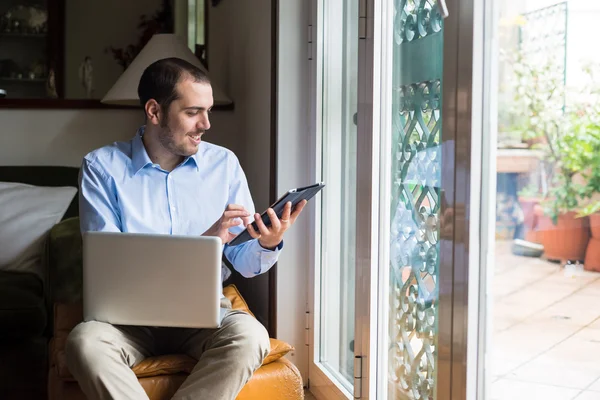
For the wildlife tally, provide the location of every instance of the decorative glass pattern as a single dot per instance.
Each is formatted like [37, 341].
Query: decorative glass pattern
[415, 19]
[415, 205]
[545, 30]
[543, 38]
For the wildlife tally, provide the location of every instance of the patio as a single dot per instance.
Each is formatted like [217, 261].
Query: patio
[546, 330]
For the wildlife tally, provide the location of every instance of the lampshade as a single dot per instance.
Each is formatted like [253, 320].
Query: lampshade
[124, 91]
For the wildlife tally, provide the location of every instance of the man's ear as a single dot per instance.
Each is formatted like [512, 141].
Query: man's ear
[153, 112]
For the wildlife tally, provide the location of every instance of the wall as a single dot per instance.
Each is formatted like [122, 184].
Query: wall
[86, 35]
[239, 60]
[295, 167]
[582, 25]
[63, 137]
[60, 137]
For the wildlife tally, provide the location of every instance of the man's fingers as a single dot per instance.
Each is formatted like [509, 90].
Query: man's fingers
[262, 228]
[252, 232]
[229, 236]
[298, 210]
[246, 220]
[275, 224]
[285, 216]
[235, 214]
[231, 222]
[231, 207]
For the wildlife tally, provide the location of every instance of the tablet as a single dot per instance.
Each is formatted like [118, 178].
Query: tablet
[293, 195]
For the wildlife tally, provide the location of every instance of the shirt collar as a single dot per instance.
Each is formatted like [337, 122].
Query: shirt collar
[193, 159]
[140, 157]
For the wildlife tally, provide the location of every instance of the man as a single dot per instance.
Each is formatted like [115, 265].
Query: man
[167, 180]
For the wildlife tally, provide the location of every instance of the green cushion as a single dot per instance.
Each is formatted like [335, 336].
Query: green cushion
[22, 307]
[65, 261]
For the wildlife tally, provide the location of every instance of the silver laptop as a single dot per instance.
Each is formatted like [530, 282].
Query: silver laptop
[152, 280]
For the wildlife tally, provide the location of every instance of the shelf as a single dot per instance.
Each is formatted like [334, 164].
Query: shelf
[517, 160]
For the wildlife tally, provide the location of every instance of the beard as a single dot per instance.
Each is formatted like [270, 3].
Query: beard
[168, 140]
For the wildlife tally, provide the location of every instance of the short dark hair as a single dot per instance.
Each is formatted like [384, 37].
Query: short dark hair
[160, 78]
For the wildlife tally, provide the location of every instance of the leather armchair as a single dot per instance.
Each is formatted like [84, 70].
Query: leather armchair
[276, 379]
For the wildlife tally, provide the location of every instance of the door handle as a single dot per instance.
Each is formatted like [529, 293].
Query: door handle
[443, 8]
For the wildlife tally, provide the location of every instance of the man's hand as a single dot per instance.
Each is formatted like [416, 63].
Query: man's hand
[234, 215]
[270, 237]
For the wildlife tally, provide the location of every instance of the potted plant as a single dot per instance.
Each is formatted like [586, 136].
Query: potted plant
[579, 161]
[564, 235]
[537, 109]
[584, 155]
[592, 252]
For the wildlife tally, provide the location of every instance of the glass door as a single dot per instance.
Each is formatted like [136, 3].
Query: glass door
[392, 310]
[412, 201]
[332, 369]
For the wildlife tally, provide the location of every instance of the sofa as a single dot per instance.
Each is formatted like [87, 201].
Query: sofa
[51, 305]
[32, 200]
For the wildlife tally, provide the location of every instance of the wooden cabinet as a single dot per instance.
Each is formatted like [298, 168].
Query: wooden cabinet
[31, 51]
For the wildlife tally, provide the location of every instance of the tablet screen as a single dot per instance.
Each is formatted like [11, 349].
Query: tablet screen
[293, 195]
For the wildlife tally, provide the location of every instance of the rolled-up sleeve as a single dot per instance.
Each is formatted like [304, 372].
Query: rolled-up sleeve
[98, 209]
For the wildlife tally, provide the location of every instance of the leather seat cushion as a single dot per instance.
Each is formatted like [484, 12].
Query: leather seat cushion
[279, 380]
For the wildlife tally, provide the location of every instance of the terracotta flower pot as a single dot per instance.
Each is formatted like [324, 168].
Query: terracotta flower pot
[595, 225]
[565, 241]
[592, 253]
[530, 218]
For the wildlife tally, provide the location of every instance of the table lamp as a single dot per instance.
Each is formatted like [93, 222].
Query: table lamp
[164, 45]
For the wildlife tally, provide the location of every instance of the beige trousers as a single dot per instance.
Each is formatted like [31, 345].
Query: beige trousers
[100, 356]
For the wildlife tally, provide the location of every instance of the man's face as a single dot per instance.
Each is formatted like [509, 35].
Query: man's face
[186, 120]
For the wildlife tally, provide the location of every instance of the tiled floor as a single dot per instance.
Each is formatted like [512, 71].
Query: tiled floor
[546, 330]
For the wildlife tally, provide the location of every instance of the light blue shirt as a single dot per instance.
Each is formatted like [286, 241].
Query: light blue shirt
[121, 190]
